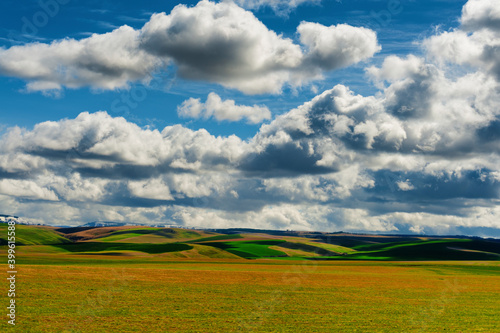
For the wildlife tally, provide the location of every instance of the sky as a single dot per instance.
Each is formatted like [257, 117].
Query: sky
[353, 115]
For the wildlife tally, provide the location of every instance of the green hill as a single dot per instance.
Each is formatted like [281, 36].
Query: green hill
[250, 249]
[440, 249]
[33, 235]
[132, 234]
[184, 243]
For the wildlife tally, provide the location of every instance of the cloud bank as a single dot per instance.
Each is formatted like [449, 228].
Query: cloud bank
[421, 155]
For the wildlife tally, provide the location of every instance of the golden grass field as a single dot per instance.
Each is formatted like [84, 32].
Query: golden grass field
[132, 294]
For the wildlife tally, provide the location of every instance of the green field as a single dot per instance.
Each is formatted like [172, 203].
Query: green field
[108, 294]
[32, 235]
[250, 249]
[115, 280]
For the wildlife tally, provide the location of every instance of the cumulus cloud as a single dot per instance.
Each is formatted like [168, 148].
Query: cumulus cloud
[475, 43]
[222, 110]
[107, 61]
[150, 189]
[99, 146]
[479, 14]
[420, 155]
[336, 46]
[105, 161]
[405, 185]
[26, 189]
[224, 43]
[215, 42]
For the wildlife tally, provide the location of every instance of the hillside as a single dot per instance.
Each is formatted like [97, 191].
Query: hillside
[33, 235]
[245, 243]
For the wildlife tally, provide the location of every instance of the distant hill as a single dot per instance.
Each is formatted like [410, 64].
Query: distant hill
[115, 224]
[119, 239]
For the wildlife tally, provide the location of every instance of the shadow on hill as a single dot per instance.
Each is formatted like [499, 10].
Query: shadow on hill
[147, 248]
[442, 251]
[72, 230]
[451, 249]
[354, 241]
[167, 233]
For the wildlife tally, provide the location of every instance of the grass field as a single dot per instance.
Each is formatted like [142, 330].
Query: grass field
[117, 294]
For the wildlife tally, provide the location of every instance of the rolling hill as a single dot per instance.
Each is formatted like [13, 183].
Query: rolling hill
[33, 235]
[245, 243]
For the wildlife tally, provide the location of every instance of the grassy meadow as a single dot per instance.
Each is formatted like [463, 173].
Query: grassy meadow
[129, 280]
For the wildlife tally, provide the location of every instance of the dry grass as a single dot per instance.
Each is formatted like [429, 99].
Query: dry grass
[293, 252]
[221, 295]
[98, 232]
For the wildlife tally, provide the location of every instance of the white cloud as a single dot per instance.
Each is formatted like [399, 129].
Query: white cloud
[222, 43]
[106, 61]
[478, 14]
[417, 229]
[395, 68]
[150, 189]
[336, 46]
[74, 187]
[26, 189]
[324, 188]
[486, 217]
[405, 186]
[222, 110]
[98, 141]
[475, 43]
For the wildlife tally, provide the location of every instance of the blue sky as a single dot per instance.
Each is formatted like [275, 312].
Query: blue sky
[370, 116]
[411, 22]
